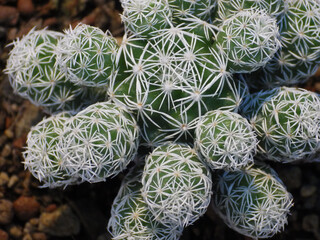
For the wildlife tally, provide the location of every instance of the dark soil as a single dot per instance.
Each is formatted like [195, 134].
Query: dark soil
[25, 207]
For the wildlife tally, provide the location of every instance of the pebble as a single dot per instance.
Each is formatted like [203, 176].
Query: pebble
[6, 211]
[307, 190]
[39, 236]
[27, 237]
[15, 231]
[4, 178]
[12, 181]
[31, 226]
[26, 207]
[3, 235]
[310, 223]
[9, 15]
[60, 223]
[25, 7]
[6, 151]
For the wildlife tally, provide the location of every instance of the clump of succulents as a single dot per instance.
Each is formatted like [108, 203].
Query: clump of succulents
[180, 81]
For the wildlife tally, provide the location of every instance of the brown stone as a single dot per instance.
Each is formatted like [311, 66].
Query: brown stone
[3, 235]
[26, 207]
[61, 223]
[6, 211]
[25, 7]
[9, 15]
[39, 236]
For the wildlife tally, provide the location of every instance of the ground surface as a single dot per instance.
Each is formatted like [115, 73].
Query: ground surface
[81, 212]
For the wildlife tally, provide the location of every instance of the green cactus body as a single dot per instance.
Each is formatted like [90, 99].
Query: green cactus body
[286, 121]
[299, 56]
[202, 9]
[248, 39]
[226, 140]
[253, 202]
[100, 141]
[87, 55]
[42, 158]
[175, 79]
[176, 185]
[144, 17]
[131, 217]
[228, 8]
[33, 73]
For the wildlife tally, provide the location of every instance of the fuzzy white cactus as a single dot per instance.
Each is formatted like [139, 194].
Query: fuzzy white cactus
[226, 140]
[176, 185]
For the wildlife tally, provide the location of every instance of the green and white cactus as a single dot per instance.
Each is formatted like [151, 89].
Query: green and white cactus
[100, 141]
[33, 71]
[286, 121]
[87, 55]
[131, 217]
[176, 185]
[225, 140]
[42, 157]
[253, 202]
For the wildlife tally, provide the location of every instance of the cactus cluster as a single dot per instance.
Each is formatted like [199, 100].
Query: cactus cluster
[204, 90]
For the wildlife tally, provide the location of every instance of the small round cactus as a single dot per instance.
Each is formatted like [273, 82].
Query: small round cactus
[87, 55]
[226, 140]
[176, 185]
[286, 121]
[42, 158]
[131, 217]
[253, 202]
[249, 39]
[100, 141]
[34, 74]
[144, 17]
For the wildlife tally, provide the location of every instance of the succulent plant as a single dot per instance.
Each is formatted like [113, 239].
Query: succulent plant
[42, 158]
[286, 121]
[33, 72]
[100, 141]
[253, 202]
[87, 55]
[131, 217]
[248, 39]
[176, 185]
[225, 140]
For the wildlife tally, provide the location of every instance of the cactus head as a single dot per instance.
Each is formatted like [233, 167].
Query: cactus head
[100, 141]
[226, 140]
[249, 39]
[87, 55]
[176, 185]
[33, 71]
[286, 121]
[253, 202]
[42, 158]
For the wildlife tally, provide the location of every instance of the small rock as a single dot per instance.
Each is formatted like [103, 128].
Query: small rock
[6, 151]
[6, 211]
[26, 207]
[27, 237]
[8, 133]
[15, 231]
[25, 7]
[310, 223]
[12, 181]
[9, 15]
[4, 178]
[61, 223]
[39, 236]
[307, 190]
[3, 235]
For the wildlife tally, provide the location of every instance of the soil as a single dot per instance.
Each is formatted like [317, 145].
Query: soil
[30, 212]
